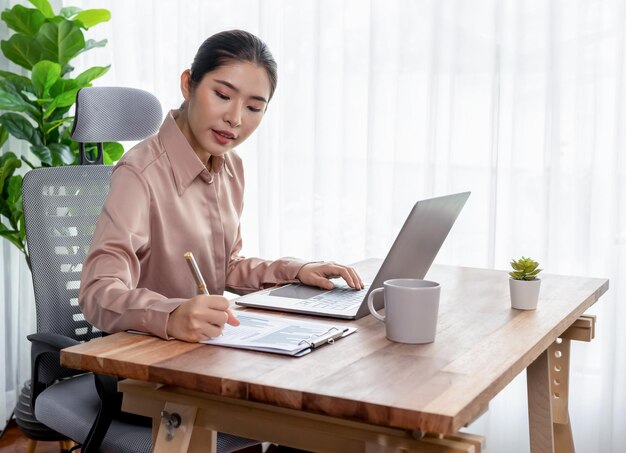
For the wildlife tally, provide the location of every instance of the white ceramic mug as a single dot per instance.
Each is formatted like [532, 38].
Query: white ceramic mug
[411, 308]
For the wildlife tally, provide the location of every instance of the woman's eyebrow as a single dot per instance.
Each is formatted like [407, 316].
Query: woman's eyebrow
[234, 88]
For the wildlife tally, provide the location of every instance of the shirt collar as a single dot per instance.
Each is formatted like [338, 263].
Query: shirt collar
[184, 162]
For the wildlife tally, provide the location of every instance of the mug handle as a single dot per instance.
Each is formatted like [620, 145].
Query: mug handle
[370, 304]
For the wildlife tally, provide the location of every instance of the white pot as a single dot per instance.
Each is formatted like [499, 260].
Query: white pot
[524, 293]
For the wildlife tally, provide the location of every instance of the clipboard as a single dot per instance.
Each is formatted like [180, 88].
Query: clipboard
[280, 334]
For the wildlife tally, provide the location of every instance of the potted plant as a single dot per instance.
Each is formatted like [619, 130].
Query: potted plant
[524, 284]
[36, 102]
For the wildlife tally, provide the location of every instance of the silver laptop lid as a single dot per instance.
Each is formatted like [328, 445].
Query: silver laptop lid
[418, 242]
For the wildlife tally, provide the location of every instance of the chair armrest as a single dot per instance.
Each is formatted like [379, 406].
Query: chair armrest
[106, 386]
[47, 345]
[110, 406]
[52, 340]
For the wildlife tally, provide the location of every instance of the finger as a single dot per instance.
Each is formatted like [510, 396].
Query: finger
[211, 331]
[232, 319]
[345, 274]
[216, 317]
[356, 278]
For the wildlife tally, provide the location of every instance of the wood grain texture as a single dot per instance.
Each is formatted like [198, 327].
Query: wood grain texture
[481, 345]
[310, 432]
[539, 405]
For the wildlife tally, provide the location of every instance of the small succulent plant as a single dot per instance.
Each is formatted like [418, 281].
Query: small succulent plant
[524, 269]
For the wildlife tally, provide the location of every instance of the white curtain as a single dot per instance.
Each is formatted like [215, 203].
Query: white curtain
[382, 103]
[17, 303]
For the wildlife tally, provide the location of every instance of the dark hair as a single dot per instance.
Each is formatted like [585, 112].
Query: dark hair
[233, 45]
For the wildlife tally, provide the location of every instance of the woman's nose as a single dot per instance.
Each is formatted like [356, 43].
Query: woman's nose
[233, 115]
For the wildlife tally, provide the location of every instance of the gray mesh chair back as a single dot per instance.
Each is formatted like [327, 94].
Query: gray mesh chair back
[61, 207]
[62, 204]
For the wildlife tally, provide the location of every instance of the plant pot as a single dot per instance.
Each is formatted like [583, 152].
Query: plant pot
[524, 293]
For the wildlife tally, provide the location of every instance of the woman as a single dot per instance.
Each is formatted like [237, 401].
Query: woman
[182, 190]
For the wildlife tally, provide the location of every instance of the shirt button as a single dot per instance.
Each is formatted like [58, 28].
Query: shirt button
[206, 177]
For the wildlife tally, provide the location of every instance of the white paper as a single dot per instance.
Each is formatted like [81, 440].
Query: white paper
[276, 334]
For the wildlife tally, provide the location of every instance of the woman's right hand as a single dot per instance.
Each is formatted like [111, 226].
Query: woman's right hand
[200, 318]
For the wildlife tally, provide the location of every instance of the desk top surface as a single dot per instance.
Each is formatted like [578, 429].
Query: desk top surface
[481, 345]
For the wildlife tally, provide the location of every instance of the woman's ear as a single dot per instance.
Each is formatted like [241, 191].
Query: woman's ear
[185, 84]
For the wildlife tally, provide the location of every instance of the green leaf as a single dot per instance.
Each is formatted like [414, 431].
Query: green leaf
[63, 100]
[29, 163]
[43, 6]
[60, 42]
[525, 269]
[69, 11]
[85, 78]
[20, 83]
[61, 154]
[14, 199]
[91, 17]
[45, 74]
[8, 164]
[112, 152]
[12, 102]
[43, 153]
[92, 43]
[12, 236]
[30, 96]
[55, 124]
[23, 20]
[62, 85]
[4, 135]
[58, 114]
[20, 128]
[11, 99]
[22, 50]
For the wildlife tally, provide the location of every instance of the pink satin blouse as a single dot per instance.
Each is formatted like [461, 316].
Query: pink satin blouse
[162, 203]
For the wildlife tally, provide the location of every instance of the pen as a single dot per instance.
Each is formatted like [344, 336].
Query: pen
[197, 276]
[195, 271]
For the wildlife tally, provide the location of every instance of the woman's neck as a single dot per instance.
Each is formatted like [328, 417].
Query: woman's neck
[183, 124]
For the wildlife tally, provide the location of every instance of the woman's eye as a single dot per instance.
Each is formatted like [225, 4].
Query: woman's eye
[222, 96]
[254, 109]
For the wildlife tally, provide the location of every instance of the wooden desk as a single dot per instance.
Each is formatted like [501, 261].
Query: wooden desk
[365, 393]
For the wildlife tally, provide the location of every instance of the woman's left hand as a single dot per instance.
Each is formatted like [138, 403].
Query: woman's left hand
[318, 274]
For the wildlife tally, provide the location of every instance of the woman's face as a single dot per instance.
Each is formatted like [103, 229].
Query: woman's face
[225, 107]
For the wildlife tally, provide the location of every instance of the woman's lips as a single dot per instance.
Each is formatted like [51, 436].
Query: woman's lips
[223, 137]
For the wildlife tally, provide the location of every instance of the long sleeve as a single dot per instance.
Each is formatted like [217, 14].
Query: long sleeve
[109, 295]
[246, 275]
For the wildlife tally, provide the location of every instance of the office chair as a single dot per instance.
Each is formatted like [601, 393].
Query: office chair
[61, 207]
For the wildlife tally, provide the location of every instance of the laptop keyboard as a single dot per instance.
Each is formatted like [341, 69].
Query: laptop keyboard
[341, 298]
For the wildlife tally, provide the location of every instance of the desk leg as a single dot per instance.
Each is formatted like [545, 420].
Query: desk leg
[559, 353]
[548, 385]
[539, 407]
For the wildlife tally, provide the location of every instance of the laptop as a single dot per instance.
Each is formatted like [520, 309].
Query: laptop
[410, 256]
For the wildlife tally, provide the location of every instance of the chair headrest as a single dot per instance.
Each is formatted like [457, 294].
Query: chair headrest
[108, 114]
